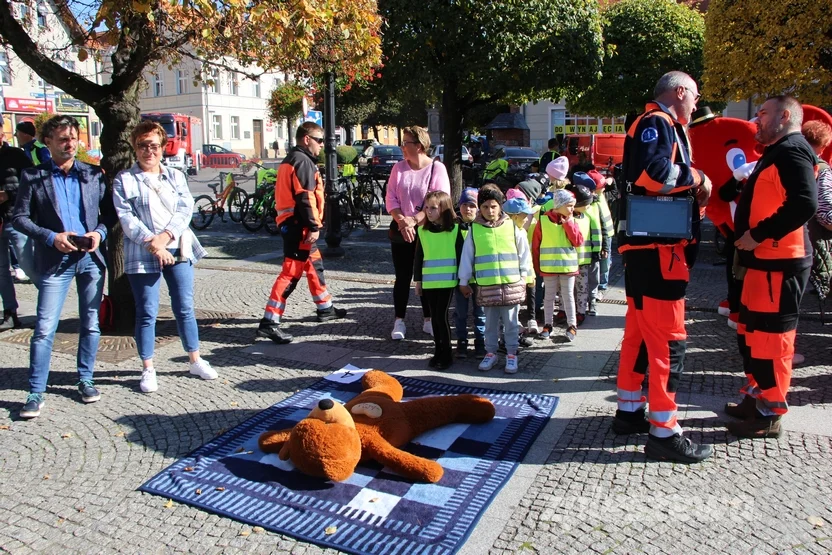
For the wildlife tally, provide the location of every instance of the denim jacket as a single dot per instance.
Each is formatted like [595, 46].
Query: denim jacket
[131, 199]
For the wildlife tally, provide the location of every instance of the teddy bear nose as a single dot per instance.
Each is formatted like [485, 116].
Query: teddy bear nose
[325, 404]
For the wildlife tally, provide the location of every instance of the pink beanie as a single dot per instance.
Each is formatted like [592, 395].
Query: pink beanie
[558, 168]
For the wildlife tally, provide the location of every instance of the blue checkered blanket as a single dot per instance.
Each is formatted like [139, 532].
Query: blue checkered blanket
[374, 511]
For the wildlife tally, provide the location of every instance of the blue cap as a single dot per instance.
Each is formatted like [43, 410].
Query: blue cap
[517, 206]
[582, 178]
[468, 195]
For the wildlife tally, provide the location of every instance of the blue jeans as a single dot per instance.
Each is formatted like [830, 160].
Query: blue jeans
[24, 250]
[461, 318]
[6, 280]
[180, 280]
[89, 281]
[603, 283]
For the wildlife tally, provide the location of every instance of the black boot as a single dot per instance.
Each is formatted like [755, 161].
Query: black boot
[747, 408]
[676, 448]
[271, 330]
[461, 349]
[630, 422]
[10, 320]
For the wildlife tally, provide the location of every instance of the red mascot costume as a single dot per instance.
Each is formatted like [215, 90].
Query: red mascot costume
[726, 150]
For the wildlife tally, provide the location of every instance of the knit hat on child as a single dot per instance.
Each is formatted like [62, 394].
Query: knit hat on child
[531, 188]
[581, 178]
[486, 194]
[558, 168]
[562, 197]
[468, 195]
[583, 196]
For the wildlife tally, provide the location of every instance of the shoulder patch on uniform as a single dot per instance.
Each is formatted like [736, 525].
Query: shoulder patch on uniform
[649, 135]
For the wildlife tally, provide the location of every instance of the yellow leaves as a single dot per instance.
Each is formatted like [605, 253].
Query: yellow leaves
[169, 504]
[330, 530]
[140, 7]
[66, 435]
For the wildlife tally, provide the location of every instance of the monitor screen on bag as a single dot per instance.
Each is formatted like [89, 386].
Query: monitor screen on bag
[662, 217]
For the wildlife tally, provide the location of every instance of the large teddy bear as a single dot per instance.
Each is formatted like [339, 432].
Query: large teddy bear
[334, 438]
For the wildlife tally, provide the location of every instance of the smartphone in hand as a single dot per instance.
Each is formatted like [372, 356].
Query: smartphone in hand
[81, 242]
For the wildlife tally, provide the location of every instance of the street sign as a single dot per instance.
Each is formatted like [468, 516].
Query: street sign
[315, 116]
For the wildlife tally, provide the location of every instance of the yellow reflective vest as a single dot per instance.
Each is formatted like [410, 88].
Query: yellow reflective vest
[584, 250]
[557, 254]
[439, 266]
[495, 254]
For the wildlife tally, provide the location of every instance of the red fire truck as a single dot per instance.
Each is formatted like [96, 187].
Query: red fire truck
[184, 139]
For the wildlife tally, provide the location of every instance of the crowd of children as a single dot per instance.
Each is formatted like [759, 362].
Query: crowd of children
[549, 260]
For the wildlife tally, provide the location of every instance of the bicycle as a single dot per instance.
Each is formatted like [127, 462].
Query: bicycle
[357, 200]
[205, 208]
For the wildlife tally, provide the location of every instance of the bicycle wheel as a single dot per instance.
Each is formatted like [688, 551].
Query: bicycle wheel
[204, 210]
[271, 223]
[253, 218]
[369, 207]
[347, 215]
[237, 202]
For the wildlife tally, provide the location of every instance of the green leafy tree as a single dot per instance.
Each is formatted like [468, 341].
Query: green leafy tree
[643, 40]
[286, 102]
[128, 36]
[468, 53]
[762, 48]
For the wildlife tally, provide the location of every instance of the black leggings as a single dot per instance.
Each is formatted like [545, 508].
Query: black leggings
[403, 256]
[438, 301]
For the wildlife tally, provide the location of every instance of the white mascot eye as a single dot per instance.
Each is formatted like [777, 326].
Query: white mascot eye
[735, 158]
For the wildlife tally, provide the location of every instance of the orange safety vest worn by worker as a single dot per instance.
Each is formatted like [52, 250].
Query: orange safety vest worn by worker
[299, 191]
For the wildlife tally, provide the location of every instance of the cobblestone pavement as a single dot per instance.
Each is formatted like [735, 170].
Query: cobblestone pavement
[70, 478]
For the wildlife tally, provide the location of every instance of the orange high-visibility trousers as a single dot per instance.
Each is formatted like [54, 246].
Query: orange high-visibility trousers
[298, 257]
[769, 310]
[654, 334]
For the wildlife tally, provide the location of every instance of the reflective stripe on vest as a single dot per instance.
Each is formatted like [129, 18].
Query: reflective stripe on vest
[439, 267]
[557, 255]
[531, 276]
[584, 250]
[594, 213]
[35, 159]
[495, 254]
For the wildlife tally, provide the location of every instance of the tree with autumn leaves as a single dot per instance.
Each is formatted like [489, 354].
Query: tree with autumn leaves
[299, 37]
[762, 48]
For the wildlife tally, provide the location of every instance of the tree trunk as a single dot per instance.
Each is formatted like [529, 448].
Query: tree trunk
[376, 133]
[119, 115]
[452, 115]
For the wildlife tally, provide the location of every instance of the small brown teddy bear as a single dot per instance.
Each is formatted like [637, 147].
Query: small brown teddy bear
[334, 438]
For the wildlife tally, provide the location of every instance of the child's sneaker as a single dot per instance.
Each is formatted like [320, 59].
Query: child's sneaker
[148, 383]
[461, 349]
[511, 364]
[592, 310]
[525, 341]
[531, 326]
[479, 349]
[560, 318]
[546, 331]
[427, 327]
[488, 362]
[570, 333]
[580, 317]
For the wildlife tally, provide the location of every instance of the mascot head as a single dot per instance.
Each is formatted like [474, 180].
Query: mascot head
[813, 113]
[720, 145]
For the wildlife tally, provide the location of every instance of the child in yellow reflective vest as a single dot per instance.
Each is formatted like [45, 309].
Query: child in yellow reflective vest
[586, 268]
[438, 247]
[467, 213]
[554, 252]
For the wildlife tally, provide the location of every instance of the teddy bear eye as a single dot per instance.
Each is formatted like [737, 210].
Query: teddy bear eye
[735, 158]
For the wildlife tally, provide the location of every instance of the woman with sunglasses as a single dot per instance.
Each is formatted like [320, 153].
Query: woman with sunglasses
[154, 206]
[410, 180]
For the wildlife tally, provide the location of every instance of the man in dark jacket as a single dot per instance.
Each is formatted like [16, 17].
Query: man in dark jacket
[770, 221]
[12, 162]
[65, 208]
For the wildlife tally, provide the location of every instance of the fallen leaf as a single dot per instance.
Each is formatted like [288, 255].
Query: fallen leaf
[79, 509]
[222, 431]
[199, 492]
[5, 427]
[66, 435]
[331, 530]
[815, 521]
[120, 434]
[233, 403]
[189, 469]
[226, 382]
[169, 504]
[244, 533]
[46, 476]
[61, 520]
[374, 500]
[240, 450]
[258, 529]
[220, 488]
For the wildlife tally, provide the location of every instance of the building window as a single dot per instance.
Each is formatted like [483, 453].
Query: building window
[214, 77]
[280, 130]
[235, 127]
[257, 88]
[95, 128]
[42, 10]
[5, 70]
[386, 133]
[181, 82]
[217, 121]
[158, 86]
[234, 84]
[68, 65]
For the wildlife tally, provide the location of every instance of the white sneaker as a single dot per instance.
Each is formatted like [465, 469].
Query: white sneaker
[488, 362]
[202, 369]
[797, 358]
[427, 327]
[511, 364]
[148, 383]
[20, 275]
[399, 329]
[531, 326]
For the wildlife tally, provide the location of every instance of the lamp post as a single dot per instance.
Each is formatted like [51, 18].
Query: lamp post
[333, 214]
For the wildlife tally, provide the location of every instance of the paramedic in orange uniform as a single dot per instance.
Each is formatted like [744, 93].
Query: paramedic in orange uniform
[657, 162]
[775, 204]
[299, 201]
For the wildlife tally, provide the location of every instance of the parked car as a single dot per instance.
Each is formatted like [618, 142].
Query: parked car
[216, 149]
[379, 159]
[437, 152]
[519, 158]
[361, 144]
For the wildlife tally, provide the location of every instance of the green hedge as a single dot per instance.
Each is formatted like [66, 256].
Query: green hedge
[345, 155]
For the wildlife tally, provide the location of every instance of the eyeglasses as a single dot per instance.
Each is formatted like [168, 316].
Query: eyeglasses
[319, 140]
[150, 147]
[696, 96]
[411, 142]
